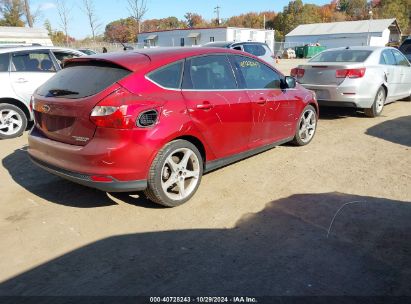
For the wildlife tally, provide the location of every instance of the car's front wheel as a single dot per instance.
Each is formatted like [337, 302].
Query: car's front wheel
[13, 121]
[306, 127]
[378, 105]
[175, 174]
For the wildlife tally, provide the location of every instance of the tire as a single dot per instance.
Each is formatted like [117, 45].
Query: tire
[13, 121]
[378, 105]
[306, 127]
[178, 165]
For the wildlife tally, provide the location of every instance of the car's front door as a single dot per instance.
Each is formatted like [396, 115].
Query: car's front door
[273, 109]
[391, 74]
[29, 70]
[219, 109]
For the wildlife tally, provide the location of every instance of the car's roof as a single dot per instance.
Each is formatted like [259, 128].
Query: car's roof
[231, 43]
[364, 48]
[33, 48]
[133, 60]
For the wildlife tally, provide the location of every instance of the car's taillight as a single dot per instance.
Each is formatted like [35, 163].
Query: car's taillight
[297, 72]
[111, 112]
[350, 73]
[31, 104]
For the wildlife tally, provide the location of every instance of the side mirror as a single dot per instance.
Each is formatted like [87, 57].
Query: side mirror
[289, 82]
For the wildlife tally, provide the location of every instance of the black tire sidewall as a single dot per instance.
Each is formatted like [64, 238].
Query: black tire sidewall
[158, 166]
[297, 140]
[6, 106]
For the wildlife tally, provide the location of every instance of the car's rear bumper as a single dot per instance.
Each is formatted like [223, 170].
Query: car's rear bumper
[341, 95]
[114, 161]
[86, 180]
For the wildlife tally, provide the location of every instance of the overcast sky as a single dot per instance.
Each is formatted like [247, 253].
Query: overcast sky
[109, 10]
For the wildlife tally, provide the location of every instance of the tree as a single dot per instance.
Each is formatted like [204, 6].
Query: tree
[195, 20]
[123, 30]
[399, 9]
[12, 11]
[354, 9]
[89, 10]
[64, 16]
[57, 37]
[137, 9]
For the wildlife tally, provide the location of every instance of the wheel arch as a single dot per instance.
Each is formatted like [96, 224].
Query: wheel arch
[19, 104]
[197, 143]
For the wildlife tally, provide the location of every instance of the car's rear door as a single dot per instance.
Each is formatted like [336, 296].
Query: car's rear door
[29, 70]
[404, 69]
[273, 109]
[391, 74]
[220, 110]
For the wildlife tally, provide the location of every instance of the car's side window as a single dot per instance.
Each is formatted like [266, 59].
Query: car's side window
[256, 74]
[61, 56]
[212, 72]
[400, 58]
[387, 58]
[32, 62]
[168, 76]
[4, 62]
[255, 49]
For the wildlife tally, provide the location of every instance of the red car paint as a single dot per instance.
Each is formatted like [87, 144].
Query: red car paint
[220, 123]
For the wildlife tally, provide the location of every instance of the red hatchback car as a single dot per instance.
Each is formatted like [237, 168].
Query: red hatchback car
[156, 120]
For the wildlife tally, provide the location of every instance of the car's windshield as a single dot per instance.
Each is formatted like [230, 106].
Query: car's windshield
[342, 56]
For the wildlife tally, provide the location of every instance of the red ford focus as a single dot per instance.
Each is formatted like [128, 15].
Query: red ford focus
[156, 120]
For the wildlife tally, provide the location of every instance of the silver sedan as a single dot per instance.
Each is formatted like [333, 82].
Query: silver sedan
[360, 77]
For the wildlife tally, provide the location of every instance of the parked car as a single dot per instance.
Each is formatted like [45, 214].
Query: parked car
[135, 121]
[405, 48]
[88, 51]
[259, 49]
[360, 77]
[22, 70]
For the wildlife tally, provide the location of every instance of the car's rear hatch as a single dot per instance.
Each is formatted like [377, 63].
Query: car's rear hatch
[62, 106]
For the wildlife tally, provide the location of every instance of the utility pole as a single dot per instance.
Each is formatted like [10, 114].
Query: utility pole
[217, 11]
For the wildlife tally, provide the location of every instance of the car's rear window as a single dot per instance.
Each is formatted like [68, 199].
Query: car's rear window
[342, 56]
[82, 80]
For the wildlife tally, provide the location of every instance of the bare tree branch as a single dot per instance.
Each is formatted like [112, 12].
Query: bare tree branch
[89, 9]
[137, 9]
[64, 16]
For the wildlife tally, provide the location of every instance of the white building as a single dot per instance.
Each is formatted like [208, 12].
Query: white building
[374, 32]
[201, 36]
[24, 36]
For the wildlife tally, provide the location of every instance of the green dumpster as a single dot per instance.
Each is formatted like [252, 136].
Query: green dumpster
[311, 51]
[299, 51]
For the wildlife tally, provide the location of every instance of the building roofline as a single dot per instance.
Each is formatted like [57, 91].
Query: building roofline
[204, 28]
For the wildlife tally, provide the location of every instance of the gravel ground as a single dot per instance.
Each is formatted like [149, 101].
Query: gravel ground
[330, 218]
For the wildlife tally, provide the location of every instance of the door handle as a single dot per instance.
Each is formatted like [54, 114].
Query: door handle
[261, 101]
[206, 105]
[22, 80]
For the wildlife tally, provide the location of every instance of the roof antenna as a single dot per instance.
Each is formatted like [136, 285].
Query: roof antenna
[347, 48]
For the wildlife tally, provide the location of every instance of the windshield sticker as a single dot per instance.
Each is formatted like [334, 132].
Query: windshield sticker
[249, 64]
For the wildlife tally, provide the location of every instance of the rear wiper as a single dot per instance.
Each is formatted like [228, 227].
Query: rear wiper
[62, 92]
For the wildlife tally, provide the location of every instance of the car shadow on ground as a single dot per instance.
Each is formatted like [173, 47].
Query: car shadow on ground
[305, 244]
[58, 190]
[331, 113]
[396, 130]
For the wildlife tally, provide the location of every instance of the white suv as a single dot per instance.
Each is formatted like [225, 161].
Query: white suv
[22, 71]
[258, 49]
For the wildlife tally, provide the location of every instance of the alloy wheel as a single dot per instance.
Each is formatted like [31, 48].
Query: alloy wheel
[10, 122]
[307, 125]
[180, 174]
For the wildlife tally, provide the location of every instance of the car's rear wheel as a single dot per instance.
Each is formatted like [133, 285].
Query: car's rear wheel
[378, 104]
[13, 121]
[306, 127]
[175, 174]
